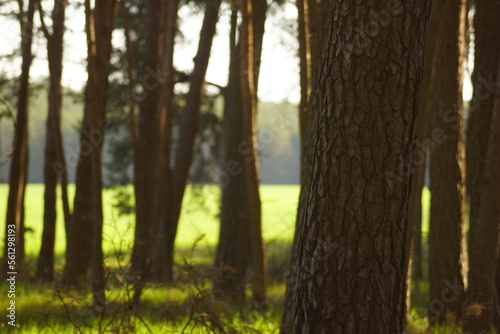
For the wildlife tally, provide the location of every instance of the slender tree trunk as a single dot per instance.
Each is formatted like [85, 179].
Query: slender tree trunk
[423, 141]
[84, 248]
[481, 292]
[232, 258]
[305, 60]
[54, 166]
[446, 248]
[132, 100]
[249, 26]
[165, 237]
[19, 165]
[189, 122]
[415, 265]
[486, 59]
[350, 271]
[309, 59]
[153, 126]
[240, 241]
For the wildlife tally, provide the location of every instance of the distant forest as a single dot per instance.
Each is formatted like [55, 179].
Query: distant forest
[278, 137]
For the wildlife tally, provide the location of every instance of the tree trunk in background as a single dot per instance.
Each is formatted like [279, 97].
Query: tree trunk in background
[165, 236]
[54, 165]
[446, 243]
[132, 96]
[84, 247]
[486, 59]
[305, 61]
[252, 11]
[419, 164]
[232, 258]
[483, 256]
[19, 166]
[153, 121]
[240, 241]
[352, 248]
[423, 142]
[309, 59]
[189, 122]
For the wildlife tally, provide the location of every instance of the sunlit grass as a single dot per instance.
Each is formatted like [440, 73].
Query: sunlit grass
[180, 306]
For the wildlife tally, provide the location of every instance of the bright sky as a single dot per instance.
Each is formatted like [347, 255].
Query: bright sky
[279, 72]
[279, 78]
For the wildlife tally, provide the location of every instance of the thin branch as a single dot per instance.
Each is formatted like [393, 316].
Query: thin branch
[45, 31]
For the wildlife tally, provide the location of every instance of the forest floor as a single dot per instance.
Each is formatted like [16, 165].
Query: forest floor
[185, 306]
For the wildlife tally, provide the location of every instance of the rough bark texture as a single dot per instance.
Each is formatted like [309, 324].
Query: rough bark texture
[483, 256]
[308, 57]
[19, 164]
[189, 119]
[352, 247]
[84, 247]
[240, 241]
[446, 241]
[55, 164]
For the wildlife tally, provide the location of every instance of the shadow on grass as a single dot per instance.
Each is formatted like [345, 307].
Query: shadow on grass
[184, 305]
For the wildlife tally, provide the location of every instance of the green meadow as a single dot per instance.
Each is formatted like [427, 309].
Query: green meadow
[185, 306]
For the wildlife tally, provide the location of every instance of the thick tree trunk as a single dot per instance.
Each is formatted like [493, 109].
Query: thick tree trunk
[19, 164]
[84, 247]
[189, 122]
[307, 36]
[446, 243]
[351, 269]
[483, 256]
[240, 241]
[54, 166]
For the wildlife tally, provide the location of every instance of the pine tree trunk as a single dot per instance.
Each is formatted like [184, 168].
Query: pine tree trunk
[163, 264]
[151, 187]
[446, 242]
[415, 266]
[483, 256]
[189, 121]
[307, 36]
[486, 59]
[350, 271]
[19, 165]
[240, 241]
[84, 246]
[54, 160]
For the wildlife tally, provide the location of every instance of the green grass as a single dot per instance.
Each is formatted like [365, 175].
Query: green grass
[184, 305]
[199, 217]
